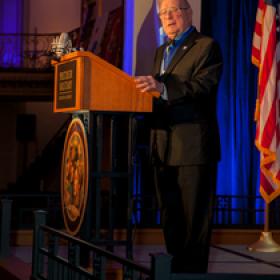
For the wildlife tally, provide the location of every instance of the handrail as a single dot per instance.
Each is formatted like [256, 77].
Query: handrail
[46, 245]
[99, 250]
[59, 267]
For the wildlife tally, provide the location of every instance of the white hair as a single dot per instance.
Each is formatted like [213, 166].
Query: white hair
[186, 2]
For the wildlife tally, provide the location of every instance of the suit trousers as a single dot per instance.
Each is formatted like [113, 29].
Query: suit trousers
[186, 196]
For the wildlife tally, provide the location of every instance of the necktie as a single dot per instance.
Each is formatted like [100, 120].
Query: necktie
[168, 54]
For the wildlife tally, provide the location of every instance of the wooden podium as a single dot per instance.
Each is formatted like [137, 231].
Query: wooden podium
[83, 81]
[95, 91]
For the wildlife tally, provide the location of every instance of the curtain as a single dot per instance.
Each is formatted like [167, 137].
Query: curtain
[232, 24]
[11, 21]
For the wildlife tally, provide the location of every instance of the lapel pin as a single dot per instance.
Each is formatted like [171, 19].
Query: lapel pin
[184, 48]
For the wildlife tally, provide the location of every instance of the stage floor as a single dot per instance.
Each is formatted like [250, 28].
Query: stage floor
[223, 259]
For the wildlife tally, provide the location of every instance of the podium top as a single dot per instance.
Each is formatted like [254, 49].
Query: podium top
[84, 81]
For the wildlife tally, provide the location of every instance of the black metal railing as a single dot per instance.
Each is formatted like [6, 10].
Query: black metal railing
[25, 50]
[229, 211]
[49, 261]
[57, 255]
[67, 263]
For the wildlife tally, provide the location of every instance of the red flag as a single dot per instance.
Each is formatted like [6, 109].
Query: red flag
[265, 55]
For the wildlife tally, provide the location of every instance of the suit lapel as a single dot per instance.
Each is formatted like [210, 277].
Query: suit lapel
[159, 59]
[181, 51]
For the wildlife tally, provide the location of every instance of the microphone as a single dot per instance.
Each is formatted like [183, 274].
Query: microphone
[61, 45]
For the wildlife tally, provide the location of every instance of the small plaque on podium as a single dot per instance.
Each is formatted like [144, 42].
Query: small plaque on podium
[66, 85]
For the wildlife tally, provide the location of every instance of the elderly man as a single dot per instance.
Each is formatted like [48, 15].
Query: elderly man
[185, 139]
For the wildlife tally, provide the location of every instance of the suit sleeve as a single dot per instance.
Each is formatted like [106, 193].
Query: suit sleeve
[204, 78]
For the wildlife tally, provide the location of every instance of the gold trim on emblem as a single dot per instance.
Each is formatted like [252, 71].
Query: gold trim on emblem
[74, 176]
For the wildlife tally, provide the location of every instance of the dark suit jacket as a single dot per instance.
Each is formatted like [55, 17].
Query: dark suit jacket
[185, 126]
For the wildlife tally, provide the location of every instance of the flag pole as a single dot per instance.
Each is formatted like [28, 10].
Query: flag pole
[266, 217]
[267, 24]
[266, 243]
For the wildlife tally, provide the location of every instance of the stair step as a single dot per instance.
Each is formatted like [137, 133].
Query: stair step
[12, 268]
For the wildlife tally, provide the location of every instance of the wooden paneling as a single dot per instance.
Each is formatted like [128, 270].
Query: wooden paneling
[20, 85]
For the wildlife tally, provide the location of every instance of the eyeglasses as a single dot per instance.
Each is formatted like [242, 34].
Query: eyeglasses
[164, 12]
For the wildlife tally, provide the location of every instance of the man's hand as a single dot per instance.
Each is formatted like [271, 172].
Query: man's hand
[148, 83]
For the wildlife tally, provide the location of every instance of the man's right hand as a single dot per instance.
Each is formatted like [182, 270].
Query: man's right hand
[148, 83]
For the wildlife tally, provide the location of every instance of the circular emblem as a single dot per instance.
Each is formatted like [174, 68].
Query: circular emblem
[74, 176]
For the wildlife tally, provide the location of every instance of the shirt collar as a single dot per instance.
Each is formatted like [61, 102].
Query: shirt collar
[182, 36]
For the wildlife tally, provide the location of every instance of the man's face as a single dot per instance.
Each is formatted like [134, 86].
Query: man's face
[175, 16]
